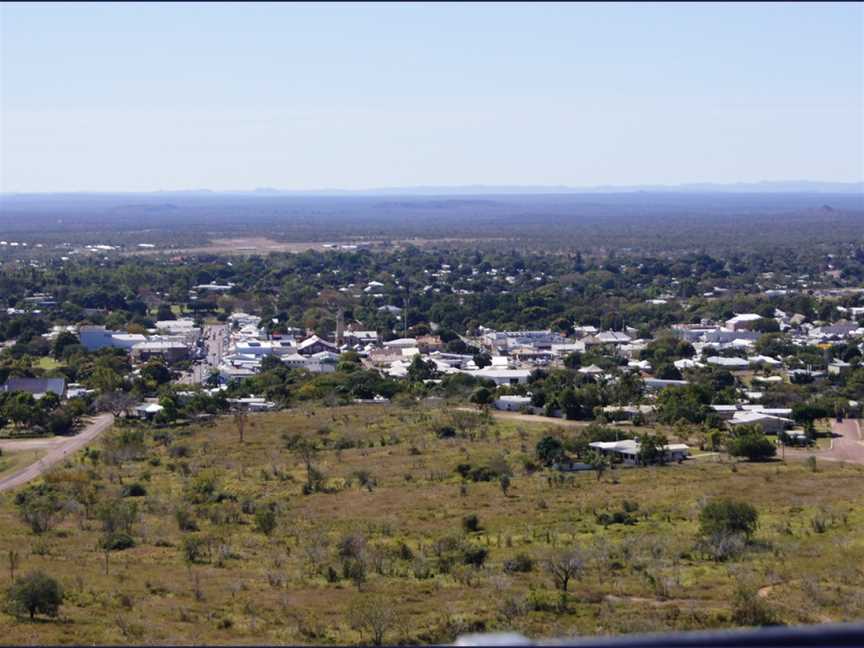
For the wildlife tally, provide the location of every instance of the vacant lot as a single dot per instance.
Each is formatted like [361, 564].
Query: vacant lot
[384, 527]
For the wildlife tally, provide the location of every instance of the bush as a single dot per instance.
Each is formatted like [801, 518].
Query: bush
[471, 523]
[185, 519]
[265, 520]
[522, 563]
[117, 541]
[728, 517]
[133, 490]
[34, 594]
[475, 556]
[445, 432]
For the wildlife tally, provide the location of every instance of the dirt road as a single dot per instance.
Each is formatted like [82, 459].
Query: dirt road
[848, 447]
[528, 418]
[58, 449]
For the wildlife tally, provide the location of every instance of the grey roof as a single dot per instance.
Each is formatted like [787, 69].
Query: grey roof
[36, 385]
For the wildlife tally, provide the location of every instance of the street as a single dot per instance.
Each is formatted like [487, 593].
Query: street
[215, 346]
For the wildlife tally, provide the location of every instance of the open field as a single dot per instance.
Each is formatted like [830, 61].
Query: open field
[10, 462]
[806, 562]
[262, 245]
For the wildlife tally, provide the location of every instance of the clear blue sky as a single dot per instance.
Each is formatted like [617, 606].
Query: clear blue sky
[300, 96]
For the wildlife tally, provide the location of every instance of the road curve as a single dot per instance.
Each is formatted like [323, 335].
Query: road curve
[848, 446]
[57, 452]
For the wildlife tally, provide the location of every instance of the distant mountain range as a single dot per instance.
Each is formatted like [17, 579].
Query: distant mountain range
[766, 187]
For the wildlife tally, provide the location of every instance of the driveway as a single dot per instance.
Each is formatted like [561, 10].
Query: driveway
[58, 449]
[848, 447]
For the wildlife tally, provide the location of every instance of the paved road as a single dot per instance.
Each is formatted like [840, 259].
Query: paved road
[215, 347]
[848, 447]
[58, 450]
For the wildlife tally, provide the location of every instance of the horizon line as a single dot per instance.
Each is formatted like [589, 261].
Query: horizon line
[788, 186]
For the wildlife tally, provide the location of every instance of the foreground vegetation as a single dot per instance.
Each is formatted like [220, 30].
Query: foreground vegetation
[369, 523]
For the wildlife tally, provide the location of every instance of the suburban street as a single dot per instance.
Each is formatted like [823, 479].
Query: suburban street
[58, 449]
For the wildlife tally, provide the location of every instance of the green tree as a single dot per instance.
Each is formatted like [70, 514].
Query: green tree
[753, 444]
[727, 516]
[549, 450]
[35, 593]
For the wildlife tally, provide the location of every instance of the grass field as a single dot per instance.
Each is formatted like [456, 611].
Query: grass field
[806, 564]
[12, 461]
[47, 363]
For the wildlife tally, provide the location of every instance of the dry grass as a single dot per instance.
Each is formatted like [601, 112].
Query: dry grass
[639, 578]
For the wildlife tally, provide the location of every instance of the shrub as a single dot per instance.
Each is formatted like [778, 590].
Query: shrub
[265, 520]
[521, 563]
[471, 523]
[133, 490]
[117, 541]
[475, 556]
[728, 517]
[185, 519]
[445, 432]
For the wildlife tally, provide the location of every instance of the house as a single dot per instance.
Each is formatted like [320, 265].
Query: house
[401, 343]
[567, 348]
[591, 370]
[360, 337]
[743, 322]
[314, 345]
[733, 364]
[628, 450]
[260, 348]
[612, 337]
[763, 361]
[512, 403]
[687, 363]
[839, 368]
[36, 387]
[769, 423]
[656, 384]
[252, 404]
[147, 411]
[502, 376]
[429, 343]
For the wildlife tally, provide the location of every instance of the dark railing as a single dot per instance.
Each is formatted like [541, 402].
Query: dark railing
[824, 636]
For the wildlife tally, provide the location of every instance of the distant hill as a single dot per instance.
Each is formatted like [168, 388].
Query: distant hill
[765, 187]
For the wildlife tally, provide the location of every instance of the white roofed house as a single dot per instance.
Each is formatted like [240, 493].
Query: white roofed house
[743, 322]
[839, 367]
[769, 423]
[511, 403]
[733, 364]
[591, 370]
[612, 337]
[764, 361]
[627, 451]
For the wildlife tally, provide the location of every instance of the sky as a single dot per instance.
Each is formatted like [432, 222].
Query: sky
[224, 96]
